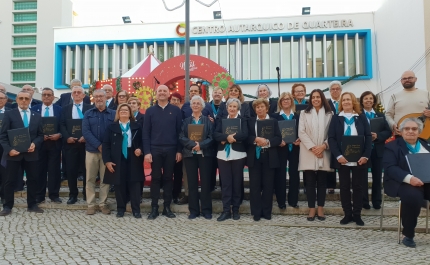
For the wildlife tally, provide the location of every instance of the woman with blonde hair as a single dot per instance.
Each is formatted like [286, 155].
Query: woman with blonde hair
[235, 91]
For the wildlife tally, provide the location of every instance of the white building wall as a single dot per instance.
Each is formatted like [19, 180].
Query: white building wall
[6, 31]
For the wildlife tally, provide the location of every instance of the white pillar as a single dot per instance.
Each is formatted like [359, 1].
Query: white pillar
[86, 65]
[105, 62]
[96, 63]
[67, 76]
[78, 63]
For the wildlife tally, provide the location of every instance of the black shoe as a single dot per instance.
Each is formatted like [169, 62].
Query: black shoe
[267, 217]
[120, 214]
[409, 242]
[5, 212]
[56, 200]
[154, 213]
[330, 191]
[282, 207]
[294, 206]
[321, 218]
[112, 188]
[346, 220]
[2, 201]
[40, 201]
[357, 220]
[366, 206]
[63, 178]
[72, 200]
[35, 209]
[236, 216]
[193, 216]
[224, 216]
[309, 218]
[137, 215]
[257, 218]
[167, 212]
[377, 206]
[207, 216]
[81, 178]
[175, 200]
[183, 200]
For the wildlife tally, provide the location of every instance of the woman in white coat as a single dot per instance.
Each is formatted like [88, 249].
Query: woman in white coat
[314, 154]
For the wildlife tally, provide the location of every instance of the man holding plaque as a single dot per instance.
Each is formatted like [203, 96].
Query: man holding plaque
[94, 125]
[28, 140]
[74, 142]
[50, 152]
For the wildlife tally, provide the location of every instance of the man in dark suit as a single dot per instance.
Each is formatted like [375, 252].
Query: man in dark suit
[110, 100]
[3, 108]
[66, 98]
[398, 179]
[3, 89]
[21, 117]
[74, 148]
[33, 102]
[50, 153]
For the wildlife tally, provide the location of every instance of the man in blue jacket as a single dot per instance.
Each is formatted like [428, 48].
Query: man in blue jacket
[94, 125]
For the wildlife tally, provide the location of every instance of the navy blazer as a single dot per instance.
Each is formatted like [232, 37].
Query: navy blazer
[57, 114]
[332, 106]
[336, 131]
[140, 118]
[66, 99]
[273, 107]
[12, 120]
[112, 104]
[395, 165]
[275, 141]
[240, 144]
[379, 143]
[283, 151]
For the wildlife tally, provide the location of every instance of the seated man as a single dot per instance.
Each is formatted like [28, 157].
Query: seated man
[398, 180]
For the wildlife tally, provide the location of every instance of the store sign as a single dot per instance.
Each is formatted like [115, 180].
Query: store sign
[325, 24]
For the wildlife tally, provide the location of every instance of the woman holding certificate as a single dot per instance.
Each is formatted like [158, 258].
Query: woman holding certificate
[288, 152]
[231, 134]
[314, 151]
[198, 153]
[262, 159]
[380, 131]
[350, 143]
[122, 154]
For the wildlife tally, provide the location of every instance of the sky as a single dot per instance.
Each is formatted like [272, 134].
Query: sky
[110, 12]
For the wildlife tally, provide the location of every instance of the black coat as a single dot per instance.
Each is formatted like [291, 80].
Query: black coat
[66, 99]
[395, 165]
[275, 141]
[112, 152]
[336, 131]
[66, 114]
[240, 144]
[12, 120]
[273, 107]
[379, 143]
[333, 108]
[112, 104]
[223, 113]
[140, 118]
[283, 151]
[206, 145]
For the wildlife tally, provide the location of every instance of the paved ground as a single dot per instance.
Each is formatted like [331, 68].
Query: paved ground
[70, 237]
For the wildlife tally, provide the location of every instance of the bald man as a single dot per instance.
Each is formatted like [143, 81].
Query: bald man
[409, 100]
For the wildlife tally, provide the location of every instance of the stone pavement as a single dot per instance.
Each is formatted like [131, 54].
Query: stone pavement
[70, 237]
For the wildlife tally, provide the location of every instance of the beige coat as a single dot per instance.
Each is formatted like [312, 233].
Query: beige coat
[310, 136]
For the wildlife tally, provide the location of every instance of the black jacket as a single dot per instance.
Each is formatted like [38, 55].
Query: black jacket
[66, 114]
[112, 152]
[273, 107]
[206, 145]
[283, 151]
[379, 143]
[275, 141]
[336, 131]
[140, 118]
[66, 99]
[395, 165]
[12, 120]
[240, 144]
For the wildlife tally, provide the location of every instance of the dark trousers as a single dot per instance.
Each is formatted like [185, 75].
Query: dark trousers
[2, 180]
[75, 155]
[412, 198]
[231, 176]
[163, 162]
[261, 182]
[192, 166]
[127, 190]
[315, 179]
[331, 180]
[177, 180]
[357, 189]
[32, 172]
[213, 172]
[64, 163]
[49, 171]
[376, 170]
[281, 176]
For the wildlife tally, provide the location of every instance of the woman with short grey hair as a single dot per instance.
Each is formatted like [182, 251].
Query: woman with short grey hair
[234, 100]
[264, 92]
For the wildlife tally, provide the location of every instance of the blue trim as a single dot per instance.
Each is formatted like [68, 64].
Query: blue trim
[366, 33]
[298, 80]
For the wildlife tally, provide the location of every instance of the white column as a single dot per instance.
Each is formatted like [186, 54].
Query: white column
[78, 62]
[249, 59]
[105, 62]
[67, 76]
[155, 50]
[304, 57]
[96, 63]
[314, 61]
[357, 56]
[135, 53]
[292, 56]
[216, 51]
[115, 63]
[336, 74]
[345, 61]
[325, 55]
[270, 56]
[145, 51]
[228, 56]
[165, 51]
[281, 66]
[207, 49]
[175, 48]
[196, 48]
[238, 60]
[86, 65]
[124, 66]
[259, 59]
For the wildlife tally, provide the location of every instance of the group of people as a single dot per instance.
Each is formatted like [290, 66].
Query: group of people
[117, 138]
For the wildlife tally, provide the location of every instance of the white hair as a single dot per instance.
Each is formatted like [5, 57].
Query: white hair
[100, 91]
[75, 81]
[263, 85]
[199, 98]
[335, 82]
[80, 87]
[231, 100]
[416, 120]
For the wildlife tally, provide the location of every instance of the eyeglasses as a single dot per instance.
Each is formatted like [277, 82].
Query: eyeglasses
[414, 129]
[286, 99]
[77, 92]
[122, 96]
[100, 96]
[407, 78]
[24, 98]
[47, 95]
[299, 91]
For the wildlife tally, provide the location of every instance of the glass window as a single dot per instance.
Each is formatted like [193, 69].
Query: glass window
[255, 62]
[91, 67]
[265, 59]
[160, 52]
[182, 48]
[275, 59]
[202, 49]
[245, 61]
[222, 55]
[286, 58]
[25, 40]
[24, 17]
[309, 55]
[17, 29]
[212, 52]
[72, 64]
[30, 52]
[101, 62]
[340, 56]
[351, 57]
[23, 76]
[232, 59]
[130, 57]
[81, 68]
[296, 59]
[110, 53]
[170, 51]
[26, 64]
[319, 59]
[330, 57]
[25, 5]
[362, 55]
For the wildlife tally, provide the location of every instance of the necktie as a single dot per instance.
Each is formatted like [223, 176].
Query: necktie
[227, 149]
[135, 113]
[257, 151]
[370, 115]
[415, 149]
[124, 138]
[194, 122]
[336, 106]
[1, 111]
[348, 122]
[107, 103]
[81, 115]
[46, 112]
[25, 119]
[290, 146]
